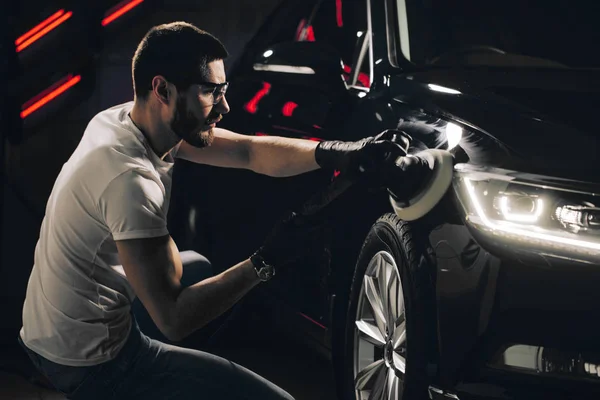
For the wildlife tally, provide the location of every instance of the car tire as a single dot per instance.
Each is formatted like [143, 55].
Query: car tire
[395, 245]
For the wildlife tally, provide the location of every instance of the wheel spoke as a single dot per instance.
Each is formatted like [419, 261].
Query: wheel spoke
[399, 335]
[376, 304]
[392, 385]
[367, 377]
[401, 319]
[384, 274]
[399, 362]
[380, 386]
[394, 298]
[370, 333]
[399, 301]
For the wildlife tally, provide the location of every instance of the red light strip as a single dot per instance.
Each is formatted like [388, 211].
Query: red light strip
[304, 33]
[25, 42]
[363, 78]
[38, 27]
[313, 321]
[71, 81]
[310, 34]
[252, 105]
[285, 128]
[314, 139]
[338, 13]
[120, 11]
[288, 108]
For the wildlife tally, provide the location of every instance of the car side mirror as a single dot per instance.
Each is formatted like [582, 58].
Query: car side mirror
[311, 62]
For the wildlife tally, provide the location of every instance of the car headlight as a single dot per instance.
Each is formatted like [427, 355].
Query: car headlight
[532, 212]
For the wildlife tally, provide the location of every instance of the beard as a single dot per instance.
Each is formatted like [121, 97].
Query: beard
[190, 128]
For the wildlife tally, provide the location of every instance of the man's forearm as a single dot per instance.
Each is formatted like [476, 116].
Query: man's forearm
[204, 301]
[280, 156]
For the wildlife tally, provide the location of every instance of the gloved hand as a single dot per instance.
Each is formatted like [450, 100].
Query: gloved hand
[363, 155]
[292, 237]
[405, 177]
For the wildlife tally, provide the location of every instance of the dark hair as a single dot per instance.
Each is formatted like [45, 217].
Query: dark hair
[179, 51]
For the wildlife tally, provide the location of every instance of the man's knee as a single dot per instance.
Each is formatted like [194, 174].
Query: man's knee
[196, 267]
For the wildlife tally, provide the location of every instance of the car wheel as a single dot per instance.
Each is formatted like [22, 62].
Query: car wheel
[389, 327]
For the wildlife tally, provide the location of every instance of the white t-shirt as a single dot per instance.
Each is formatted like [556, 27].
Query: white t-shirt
[114, 187]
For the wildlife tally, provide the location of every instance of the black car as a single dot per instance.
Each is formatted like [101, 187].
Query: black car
[496, 292]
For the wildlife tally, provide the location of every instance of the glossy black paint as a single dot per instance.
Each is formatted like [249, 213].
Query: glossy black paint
[543, 127]
[489, 296]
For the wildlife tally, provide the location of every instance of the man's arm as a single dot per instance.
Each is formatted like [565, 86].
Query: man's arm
[153, 267]
[269, 155]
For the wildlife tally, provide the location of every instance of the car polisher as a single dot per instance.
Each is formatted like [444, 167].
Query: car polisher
[433, 176]
[415, 183]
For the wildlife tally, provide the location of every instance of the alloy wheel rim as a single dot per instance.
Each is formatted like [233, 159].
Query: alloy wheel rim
[380, 332]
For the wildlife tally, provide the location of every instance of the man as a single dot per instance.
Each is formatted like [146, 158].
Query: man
[104, 239]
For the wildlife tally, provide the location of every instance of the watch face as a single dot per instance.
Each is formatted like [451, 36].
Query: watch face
[266, 273]
[263, 270]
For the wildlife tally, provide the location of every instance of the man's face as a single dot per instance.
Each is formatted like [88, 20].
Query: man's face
[195, 116]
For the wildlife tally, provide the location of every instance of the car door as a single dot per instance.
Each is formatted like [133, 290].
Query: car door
[225, 214]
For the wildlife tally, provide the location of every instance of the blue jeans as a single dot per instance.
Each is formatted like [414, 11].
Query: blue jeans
[148, 369]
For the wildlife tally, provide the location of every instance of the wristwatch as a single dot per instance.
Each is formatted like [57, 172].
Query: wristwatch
[263, 270]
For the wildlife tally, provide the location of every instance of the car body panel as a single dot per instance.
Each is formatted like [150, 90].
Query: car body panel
[516, 120]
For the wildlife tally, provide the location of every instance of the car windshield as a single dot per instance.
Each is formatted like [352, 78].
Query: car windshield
[507, 33]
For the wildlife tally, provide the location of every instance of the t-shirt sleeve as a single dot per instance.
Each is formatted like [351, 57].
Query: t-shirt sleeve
[132, 206]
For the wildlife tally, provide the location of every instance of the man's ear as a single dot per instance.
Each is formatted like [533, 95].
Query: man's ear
[161, 90]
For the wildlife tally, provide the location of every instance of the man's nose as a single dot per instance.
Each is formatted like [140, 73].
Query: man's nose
[222, 106]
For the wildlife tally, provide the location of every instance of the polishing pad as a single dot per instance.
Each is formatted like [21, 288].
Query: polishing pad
[442, 167]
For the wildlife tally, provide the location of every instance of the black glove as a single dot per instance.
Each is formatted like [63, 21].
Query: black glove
[363, 155]
[292, 237]
[405, 178]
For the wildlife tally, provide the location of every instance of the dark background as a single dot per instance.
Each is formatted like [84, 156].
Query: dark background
[35, 150]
